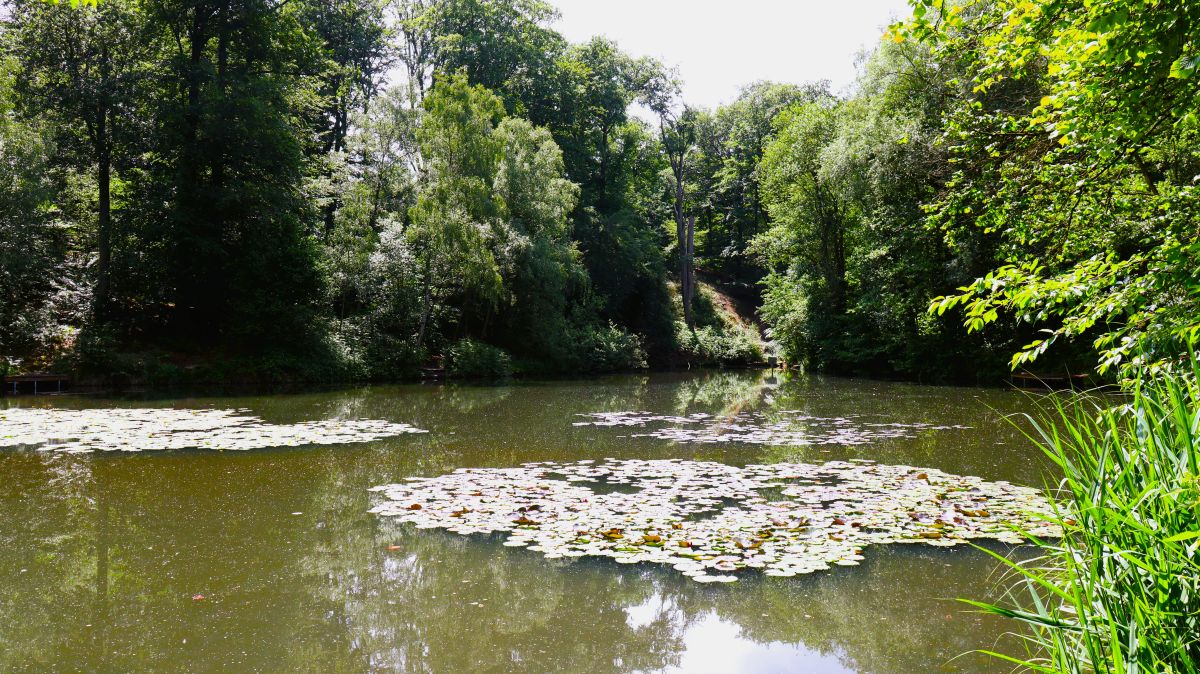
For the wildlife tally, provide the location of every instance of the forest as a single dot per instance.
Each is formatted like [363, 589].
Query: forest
[355, 189]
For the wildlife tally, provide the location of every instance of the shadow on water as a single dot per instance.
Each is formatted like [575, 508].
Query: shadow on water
[103, 557]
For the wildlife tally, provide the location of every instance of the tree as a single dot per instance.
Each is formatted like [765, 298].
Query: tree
[607, 83]
[355, 54]
[235, 230]
[418, 46]
[455, 218]
[41, 288]
[83, 66]
[504, 46]
[733, 150]
[803, 198]
[676, 126]
[1077, 143]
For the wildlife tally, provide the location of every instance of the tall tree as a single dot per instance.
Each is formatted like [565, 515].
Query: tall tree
[807, 244]
[505, 46]
[81, 67]
[355, 54]
[229, 169]
[37, 276]
[676, 127]
[740, 133]
[455, 217]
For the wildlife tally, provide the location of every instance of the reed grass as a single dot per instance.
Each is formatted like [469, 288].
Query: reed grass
[1120, 592]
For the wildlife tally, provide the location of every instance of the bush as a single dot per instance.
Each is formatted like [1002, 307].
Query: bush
[709, 345]
[609, 349]
[1121, 591]
[719, 337]
[469, 358]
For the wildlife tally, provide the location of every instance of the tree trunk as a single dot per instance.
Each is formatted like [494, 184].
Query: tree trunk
[426, 307]
[689, 270]
[685, 230]
[104, 206]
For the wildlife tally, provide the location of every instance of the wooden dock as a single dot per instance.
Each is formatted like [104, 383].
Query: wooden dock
[36, 383]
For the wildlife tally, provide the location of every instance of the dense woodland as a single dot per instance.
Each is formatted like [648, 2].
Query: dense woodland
[319, 189]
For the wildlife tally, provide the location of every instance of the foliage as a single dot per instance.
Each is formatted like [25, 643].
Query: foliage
[851, 262]
[731, 142]
[608, 348]
[237, 184]
[1118, 592]
[231, 180]
[1076, 143]
[469, 358]
[717, 338]
[709, 345]
[43, 284]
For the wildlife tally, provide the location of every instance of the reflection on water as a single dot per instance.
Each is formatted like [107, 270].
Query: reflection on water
[101, 555]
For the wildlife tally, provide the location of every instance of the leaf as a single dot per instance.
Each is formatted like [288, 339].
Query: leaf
[1185, 66]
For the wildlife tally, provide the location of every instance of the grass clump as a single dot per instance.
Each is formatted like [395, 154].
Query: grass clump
[1120, 592]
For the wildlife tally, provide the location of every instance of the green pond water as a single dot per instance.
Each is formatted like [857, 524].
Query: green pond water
[103, 557]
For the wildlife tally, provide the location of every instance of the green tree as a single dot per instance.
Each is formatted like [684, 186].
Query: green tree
[1077, 143]
[237, 243]
[455, 219]
[812, 221]
[677, 134]
[733, 150]
[549, 282]
[504, 46]
[81, 67]
[41, 287]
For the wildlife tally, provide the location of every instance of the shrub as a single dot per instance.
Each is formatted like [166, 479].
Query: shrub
[469, 358]
[709, 345]
[608, 348]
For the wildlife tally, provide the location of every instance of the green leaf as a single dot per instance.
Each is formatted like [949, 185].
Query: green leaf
[1184, 67]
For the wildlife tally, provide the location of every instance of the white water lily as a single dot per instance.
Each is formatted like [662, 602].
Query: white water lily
[709, 520]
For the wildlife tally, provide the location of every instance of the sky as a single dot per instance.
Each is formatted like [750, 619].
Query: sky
[721, 45]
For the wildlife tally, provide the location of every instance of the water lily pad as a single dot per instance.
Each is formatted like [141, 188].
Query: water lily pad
[780, 428]
[136, 430]
[712, 521]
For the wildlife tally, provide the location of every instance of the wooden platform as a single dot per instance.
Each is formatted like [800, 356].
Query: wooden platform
[38, 383]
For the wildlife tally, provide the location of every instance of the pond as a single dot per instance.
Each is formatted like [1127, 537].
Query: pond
[271, 559]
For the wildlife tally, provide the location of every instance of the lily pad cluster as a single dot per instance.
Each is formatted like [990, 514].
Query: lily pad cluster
[712, 521]
[783, 428]
[135, 430]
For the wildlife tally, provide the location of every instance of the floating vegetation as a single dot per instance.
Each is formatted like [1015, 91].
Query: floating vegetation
[783, 428]
[710, 520]
[135, 430]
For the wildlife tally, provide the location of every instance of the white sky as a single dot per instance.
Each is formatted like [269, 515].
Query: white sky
[720, 45]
